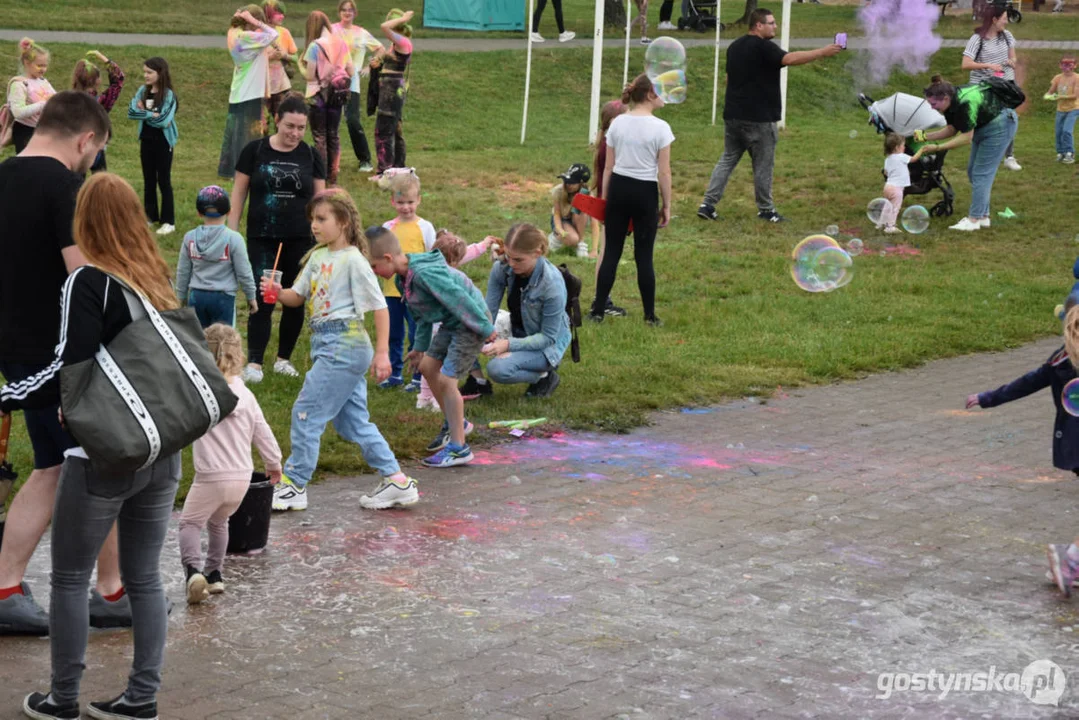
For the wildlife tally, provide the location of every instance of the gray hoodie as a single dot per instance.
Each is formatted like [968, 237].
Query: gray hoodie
[214, 257]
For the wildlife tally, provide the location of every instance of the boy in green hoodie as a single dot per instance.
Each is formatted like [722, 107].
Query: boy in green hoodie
[438, 294]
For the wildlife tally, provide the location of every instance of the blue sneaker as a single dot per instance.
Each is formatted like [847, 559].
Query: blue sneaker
[390, 382]
[449, 456]
[443, 436]
[413, 385]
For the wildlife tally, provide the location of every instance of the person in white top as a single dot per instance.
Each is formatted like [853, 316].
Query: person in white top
[637, 175]
[897, 177]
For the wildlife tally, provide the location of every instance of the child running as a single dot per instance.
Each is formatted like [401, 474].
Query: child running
[457, 253]
[1057, 372]
[567, 222]
[416, 235]
[896, 177]
[437, 293]
[1065, 89]
[87, 78]
[213, 263]
[223, 470]
[338, 286]
[154, 106]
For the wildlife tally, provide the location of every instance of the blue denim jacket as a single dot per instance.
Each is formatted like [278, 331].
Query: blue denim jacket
[543, 309]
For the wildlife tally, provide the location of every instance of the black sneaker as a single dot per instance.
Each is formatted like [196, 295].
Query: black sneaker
[105, 614]
[653, 321]
[119, 709]
[21, 615]
[707, 212]
[593, 317]
[771, 216]
[214, 583]
[40, 707]
[545, 386]
[613, 310]
[473, 388]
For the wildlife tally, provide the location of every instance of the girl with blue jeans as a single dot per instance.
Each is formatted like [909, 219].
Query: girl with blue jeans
[536, 297]
[338, 286]
[976, 117]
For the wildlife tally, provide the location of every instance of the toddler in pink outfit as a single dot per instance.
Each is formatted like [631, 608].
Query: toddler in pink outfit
[897, 178]
[223, 468]
[457, 253]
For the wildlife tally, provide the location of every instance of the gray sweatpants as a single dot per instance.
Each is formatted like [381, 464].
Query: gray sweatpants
[740, 136]
[142, 503]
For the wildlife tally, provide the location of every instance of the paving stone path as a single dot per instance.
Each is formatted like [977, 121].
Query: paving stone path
[757, 559]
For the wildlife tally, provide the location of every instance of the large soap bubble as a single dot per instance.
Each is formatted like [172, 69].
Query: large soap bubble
[915, 219]
[665, 66]
[1069, 398]
[875, 210]
[819, 264]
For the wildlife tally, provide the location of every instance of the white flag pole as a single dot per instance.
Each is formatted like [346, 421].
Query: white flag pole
[528, 68]
[715, 69]
[625, 65]
[597, 72]
[784, 40]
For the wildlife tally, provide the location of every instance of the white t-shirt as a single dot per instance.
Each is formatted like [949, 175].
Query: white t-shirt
[636, 141]
[994, 50]
[895, 167]
[338, 285]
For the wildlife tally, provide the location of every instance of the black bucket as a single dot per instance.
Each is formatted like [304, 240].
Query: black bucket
[249, 526]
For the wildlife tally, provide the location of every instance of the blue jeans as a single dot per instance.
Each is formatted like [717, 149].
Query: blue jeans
[986, 152]
[213, 306]
[1064, 126]
[335, 388]
[521, 366]
[81, 521]
[399, 316]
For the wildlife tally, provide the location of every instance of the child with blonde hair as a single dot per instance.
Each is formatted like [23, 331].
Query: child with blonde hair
[1055, 374]
[416, 235]
[223, 470]
[28, 93]
[567, 222]
[338, 286]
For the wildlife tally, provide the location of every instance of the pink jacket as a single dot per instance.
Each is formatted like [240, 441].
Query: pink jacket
[224, 453]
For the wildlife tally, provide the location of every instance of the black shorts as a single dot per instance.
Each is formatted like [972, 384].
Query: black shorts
[47, 435]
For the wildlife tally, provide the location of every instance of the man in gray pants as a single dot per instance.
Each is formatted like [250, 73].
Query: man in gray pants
[751, 109]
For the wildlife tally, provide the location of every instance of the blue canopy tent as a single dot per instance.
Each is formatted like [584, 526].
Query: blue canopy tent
[474, 14]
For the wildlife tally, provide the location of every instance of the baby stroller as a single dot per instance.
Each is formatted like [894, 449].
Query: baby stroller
[701, 17]
[903, 114]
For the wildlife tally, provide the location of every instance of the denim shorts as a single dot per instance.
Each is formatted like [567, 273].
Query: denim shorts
[457, 349]
[47, 436]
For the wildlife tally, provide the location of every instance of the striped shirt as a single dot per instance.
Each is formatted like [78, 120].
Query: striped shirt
[990, 50]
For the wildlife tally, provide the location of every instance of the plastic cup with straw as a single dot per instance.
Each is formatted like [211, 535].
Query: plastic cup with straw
[272, 280]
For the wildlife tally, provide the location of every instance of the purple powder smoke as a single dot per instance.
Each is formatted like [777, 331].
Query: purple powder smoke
[899, 34]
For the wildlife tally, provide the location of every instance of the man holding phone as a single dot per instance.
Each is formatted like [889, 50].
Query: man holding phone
[751, 110]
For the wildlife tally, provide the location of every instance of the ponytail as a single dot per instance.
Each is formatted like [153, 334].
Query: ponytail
[637, 91]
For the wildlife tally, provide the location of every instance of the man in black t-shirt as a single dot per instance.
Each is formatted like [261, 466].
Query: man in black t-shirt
[751, 110]
[38, 189]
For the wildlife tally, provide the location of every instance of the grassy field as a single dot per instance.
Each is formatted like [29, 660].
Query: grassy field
[735, 322]
[211, 16]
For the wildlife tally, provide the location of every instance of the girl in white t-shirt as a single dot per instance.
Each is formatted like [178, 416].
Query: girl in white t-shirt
[637, 176]
[897, 177]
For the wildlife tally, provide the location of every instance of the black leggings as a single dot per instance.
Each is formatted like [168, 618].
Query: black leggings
[636, 200]
[262, 251]
[540, 5]
[20, 136]
[156, 155]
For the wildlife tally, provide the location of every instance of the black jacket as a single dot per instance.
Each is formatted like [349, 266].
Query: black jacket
[1055, 374]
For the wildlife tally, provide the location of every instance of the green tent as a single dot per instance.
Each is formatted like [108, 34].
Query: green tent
[474, 14]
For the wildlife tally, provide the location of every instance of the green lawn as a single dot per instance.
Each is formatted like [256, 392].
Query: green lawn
[211, 16]
[735, 322]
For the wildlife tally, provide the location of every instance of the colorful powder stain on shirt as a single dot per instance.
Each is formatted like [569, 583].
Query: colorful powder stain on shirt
[250, 75]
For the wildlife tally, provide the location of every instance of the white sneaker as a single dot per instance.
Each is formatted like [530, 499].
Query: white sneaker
[427, 403]
[1060, 156]
[566, 36]
[984, 222]
[1069, 158]
[196, 589]
[892, 230]
[252, 375]
[287, 496]
[389, 494]
[284, 367]
[966, 225]
[536, 37]
[582, 249]
[166, 229]
[645, 40]
[554, 243]
[666, 25]
[1009, 162]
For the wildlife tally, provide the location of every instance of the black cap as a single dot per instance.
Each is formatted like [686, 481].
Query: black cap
[577, 174]
[212, 202]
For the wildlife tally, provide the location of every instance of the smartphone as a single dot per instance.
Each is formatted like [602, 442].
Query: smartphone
[841, 40]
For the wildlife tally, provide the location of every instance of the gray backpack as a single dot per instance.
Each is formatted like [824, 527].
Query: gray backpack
[151, 392]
